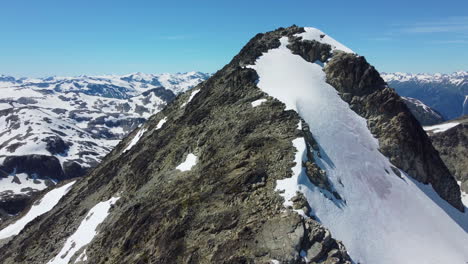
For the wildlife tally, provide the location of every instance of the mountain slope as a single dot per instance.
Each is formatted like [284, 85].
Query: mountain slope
[451, 140]
[265, 162]
[446, 93]
[423, 113]
[57, 128]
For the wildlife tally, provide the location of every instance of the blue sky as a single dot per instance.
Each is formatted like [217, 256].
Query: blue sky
[41, 38]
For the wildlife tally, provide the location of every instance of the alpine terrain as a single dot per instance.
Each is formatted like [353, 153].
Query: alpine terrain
[297, 151]
[446, 93]
[424, 114]
[451, 140]
[57, 128]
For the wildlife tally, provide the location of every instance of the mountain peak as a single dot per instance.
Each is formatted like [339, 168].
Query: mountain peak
[287, 154]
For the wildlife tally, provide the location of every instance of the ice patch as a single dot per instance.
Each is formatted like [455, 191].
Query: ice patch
[47, 202]
[258, 102]
[85, 232]
[189, 162]
[385, 217]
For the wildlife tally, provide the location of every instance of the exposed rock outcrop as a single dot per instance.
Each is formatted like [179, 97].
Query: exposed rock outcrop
[452, 145]
[401, 137]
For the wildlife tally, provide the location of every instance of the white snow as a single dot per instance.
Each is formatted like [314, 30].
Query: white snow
[189, 162]
[82, 257]
[135, 139]
[258, 102]
[464, 195]
[383, 218]
[85, 232]
[457, 78]
[47, 202]
[315, 34]
[441, 127]
[9, 185]
[190, 98]
[465, 105]
[161, 123]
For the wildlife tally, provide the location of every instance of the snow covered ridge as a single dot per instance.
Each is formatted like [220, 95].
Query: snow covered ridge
[41, 206]
[317, 35]
[457, 78]
[382, 217]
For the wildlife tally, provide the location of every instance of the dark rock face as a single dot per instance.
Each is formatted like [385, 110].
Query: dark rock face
[310, 50]
[401, 138]
[224, 210]
[163, 93]
[15, 204]
[72, 169]
[452, 145]
[56, 145]
[43, 166]
[351, 74]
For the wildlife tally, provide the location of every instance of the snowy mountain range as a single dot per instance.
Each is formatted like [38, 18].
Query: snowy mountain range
[446, 93]
[296, 151]
[57, 128]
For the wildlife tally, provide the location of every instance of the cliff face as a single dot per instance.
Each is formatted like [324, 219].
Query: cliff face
[452, 145]
[198, 183]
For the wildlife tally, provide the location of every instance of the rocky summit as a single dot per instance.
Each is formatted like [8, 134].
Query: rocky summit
[296, 151]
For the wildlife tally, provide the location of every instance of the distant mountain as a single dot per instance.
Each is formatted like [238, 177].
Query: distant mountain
[446, 93]
[57, 128]
[423, 113]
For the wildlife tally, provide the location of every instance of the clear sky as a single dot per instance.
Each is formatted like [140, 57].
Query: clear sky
[64, 37]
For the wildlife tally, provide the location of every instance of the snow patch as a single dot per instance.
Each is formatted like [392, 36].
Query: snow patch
[317, 35]
[135, 139]
[161, 123]
[189, 162]
[441, 127]
[384, 218]
[82, 257]
[190, 98]
[85, 232]
[258, 102]
[47, 202]
[464, 195]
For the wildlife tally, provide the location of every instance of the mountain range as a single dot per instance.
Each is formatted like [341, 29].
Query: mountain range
[446, 93]
[56, 128]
